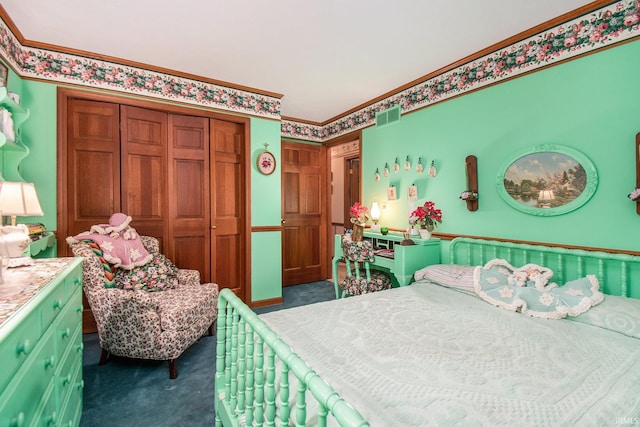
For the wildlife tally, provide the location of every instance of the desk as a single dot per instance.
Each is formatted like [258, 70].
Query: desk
[406, 261]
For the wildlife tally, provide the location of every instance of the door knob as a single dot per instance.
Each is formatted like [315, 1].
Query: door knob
[213, 227]
[282, 221]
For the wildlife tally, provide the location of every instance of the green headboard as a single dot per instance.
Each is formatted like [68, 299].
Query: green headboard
[618, 274]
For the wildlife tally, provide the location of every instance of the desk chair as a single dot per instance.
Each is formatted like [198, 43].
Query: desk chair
[360, 279]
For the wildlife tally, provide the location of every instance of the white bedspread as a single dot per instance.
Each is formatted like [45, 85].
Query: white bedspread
[426, 355]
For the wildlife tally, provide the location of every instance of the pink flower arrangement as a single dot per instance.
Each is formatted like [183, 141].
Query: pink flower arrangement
[359, 214]
[634, 195]
[427, 216]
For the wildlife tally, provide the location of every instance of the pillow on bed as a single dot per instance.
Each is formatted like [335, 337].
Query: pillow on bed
[449, 275]
[615, 313]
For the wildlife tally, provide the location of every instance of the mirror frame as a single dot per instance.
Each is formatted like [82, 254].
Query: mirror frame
[585, 195]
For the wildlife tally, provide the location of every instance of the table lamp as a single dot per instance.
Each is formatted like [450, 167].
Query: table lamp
[375, 216]
[16, 199]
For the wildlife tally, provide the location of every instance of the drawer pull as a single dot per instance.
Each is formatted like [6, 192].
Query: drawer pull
[80, 309]
[51, 419]
[80, 385]
[57, 304]
[80, 347]
[65, 333]
[50, 362]
[17, 421]
[24, 347]
[66, 380]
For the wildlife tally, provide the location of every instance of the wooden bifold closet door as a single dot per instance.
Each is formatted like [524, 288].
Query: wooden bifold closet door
[180, 177]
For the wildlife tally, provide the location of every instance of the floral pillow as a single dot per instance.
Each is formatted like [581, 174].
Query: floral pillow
[156, 275]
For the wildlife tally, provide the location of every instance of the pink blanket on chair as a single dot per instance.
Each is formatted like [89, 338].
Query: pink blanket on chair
[120, 243]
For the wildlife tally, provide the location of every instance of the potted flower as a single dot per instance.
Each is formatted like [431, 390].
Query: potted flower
[359, 216]
[635, 195]
[427, 217]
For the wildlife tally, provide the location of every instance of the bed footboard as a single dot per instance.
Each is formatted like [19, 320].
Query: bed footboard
[256, 372]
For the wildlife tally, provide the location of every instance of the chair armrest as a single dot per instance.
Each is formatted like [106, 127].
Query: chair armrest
[188, 277]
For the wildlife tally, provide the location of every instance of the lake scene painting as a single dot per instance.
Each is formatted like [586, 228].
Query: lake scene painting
[545, 179]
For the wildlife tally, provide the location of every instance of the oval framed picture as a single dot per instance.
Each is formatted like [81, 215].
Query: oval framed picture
[547, 180]
[266, 163]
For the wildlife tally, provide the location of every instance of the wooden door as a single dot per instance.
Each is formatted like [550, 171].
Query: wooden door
[144, 169]
[305, 213]
[188, 227]
[228, 221]
[93, 167]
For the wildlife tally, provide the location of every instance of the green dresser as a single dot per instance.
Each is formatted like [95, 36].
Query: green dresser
[41, 344]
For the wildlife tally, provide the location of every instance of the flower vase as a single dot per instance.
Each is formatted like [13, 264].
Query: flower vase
[425, 233]
[358, 233]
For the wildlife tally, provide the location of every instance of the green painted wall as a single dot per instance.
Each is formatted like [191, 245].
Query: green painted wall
[589, 104]
[266, 265]
[40, 136]
[266, 246]
[265, 189]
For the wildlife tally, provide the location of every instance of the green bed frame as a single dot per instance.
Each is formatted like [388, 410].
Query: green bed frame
[248, 352]
[617, 273]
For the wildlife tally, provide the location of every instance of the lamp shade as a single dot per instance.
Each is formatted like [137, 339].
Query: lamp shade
[375, 211]
[19, 199]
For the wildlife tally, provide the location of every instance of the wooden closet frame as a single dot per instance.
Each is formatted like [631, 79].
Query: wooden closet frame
[64, 94]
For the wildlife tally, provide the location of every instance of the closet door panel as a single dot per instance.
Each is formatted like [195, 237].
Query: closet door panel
[228, 205]
[188, 187]
[93, 159]
[144, 165]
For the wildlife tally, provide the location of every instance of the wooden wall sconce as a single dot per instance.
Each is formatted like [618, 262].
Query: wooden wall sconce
[471, 169]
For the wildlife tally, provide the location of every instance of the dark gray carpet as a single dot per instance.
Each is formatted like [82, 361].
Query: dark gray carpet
[131, 392]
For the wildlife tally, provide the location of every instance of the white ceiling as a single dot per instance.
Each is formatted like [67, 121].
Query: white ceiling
[324, 56]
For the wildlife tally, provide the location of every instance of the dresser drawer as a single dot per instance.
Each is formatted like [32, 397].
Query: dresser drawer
[18, 345]
[71, 403]
[24, 396]
[47, 413]
[52, 305]
[65, 326]
[69, 361]
[73, 282]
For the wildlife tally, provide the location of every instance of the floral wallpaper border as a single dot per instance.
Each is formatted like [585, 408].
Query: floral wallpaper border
[606, 26]
[66, 68]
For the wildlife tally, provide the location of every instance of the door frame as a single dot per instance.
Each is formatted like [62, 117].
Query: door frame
[349, 137]
[63, 96]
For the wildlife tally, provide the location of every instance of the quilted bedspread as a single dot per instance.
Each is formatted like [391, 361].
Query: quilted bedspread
[426, 355]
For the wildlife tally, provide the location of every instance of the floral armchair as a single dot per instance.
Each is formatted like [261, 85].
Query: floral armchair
[151, 312]
[360, 279]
